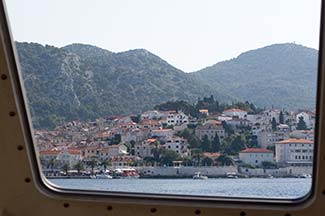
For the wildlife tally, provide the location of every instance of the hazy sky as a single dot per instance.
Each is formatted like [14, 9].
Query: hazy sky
[189, 34]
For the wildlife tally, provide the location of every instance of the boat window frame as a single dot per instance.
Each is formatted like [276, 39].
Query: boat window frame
[50, 190]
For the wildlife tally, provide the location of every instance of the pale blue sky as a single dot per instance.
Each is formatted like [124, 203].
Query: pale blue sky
[189, 34]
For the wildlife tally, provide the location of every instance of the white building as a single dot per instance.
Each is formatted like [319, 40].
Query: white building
[210, 129]
[178, 145]
[162, 133]
[145, 148]
[294, 152]
[70, 157]
[176, 118]
[255, 156]
[269, 138]
[242, 114]
[272, 113]
[112, 151]
[152, 114]
[283, 127]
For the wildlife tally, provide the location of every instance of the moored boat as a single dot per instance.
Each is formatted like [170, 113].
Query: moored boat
[198, 175]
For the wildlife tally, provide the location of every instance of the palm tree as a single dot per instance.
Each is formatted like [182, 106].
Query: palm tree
[105, 163]
[65, 168]
[156, 151]
[93, 164]
[79, 166]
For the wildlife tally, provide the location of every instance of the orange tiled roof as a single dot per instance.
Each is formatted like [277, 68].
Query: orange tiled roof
[211, 154]
[256, 150]
[52, 152]
[151, 140]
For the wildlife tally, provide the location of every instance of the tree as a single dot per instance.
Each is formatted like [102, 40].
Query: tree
[187, 161]
[105, 163]
[168, 156]
[194, 142]
[281, 118]
[225, 160]
[79, 166]
[268, 165]
[206, 143]
[273, 124]
[251, 140]
[116, 139]
[196, 155]
[215, 145]
[65, 168]
[186, 134]
[136, 119]
[132, 143]
[228, 128]
[156, 151]
[207, 161]
[301, 124]
[93, 164]
[149, 160]
[234, 144]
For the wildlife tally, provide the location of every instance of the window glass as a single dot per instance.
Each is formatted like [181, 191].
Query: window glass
[172, 97]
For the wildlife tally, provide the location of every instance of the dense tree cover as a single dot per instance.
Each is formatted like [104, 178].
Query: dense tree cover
[234, 144]
[224, 160]
[83, 82]
[214, 106]
[279, 75]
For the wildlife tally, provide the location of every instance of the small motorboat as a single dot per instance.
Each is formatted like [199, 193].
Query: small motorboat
[103, 176]
[199, 176]
[231, 175]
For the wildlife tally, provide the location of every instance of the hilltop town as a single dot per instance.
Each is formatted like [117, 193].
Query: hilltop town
[238, 139]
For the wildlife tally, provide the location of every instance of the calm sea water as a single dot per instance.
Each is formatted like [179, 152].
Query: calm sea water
[252, 187]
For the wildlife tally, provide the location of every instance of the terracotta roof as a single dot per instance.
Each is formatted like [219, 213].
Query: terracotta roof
[211, 154]
[149, 121]
[151, 140]
[52, 152]
[73, 151]
[295, 141]
[215, 122]
[256, 150]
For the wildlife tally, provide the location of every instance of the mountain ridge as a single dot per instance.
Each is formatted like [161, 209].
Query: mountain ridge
[81, 81]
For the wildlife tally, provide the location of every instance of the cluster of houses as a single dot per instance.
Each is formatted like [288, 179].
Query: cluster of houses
[126, 140]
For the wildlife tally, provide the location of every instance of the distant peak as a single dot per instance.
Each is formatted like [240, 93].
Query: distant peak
[80, 48]
[139, 51]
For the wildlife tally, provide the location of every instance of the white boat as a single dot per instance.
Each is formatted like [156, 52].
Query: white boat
[304, 176]
[103, 176]
[199, 176]
[126, 173]
[232, 175]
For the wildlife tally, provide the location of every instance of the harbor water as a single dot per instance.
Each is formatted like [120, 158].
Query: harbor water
[283, 188]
